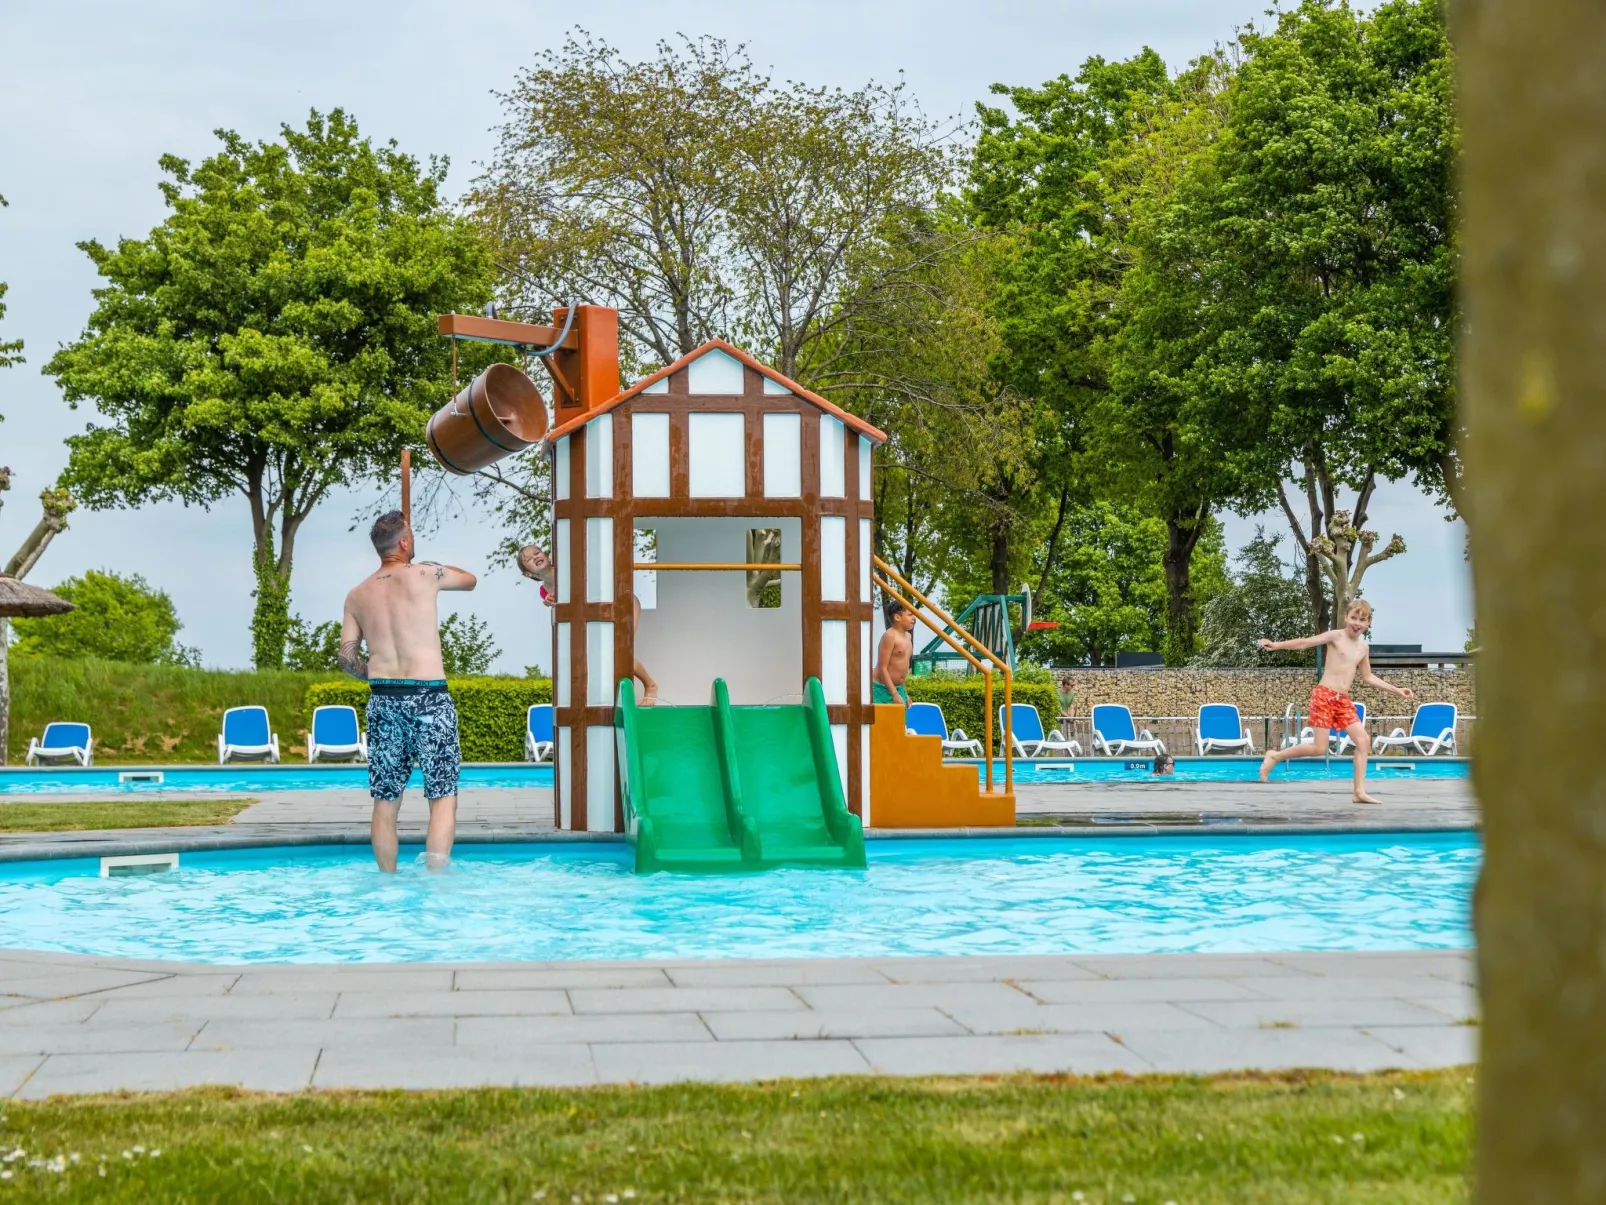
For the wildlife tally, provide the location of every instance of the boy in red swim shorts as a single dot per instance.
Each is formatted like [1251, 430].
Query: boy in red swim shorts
[1330, 704]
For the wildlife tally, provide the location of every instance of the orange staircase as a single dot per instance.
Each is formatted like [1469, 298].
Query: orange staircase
[911, 787]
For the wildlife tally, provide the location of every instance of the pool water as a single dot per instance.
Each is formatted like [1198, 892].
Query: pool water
[254, 779]
[921, 897]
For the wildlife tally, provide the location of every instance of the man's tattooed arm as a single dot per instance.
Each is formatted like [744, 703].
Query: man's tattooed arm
[351, 659]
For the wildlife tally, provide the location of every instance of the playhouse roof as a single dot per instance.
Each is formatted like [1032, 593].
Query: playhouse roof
[851, 421]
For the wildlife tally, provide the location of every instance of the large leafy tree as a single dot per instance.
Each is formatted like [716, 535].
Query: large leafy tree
[115, 618]
[273, 338]
[1264, 600]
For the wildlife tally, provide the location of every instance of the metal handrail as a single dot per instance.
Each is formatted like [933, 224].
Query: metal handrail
[980, 648]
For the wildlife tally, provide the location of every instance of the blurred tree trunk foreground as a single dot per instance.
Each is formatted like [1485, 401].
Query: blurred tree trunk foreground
[1533, 113]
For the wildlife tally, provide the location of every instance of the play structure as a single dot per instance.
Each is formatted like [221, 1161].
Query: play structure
[988, 618]
[732, 507]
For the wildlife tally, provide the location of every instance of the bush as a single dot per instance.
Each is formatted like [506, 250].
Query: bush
[963, 701]
[490, 711]
[312, 647]
[115, 618]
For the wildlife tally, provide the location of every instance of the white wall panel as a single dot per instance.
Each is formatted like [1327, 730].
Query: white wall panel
[839, 740]
[864, 776]
[866, 660]
[775, 387]
[834, 660]
[833, 454]
[560, 471]
[599, 665]
[599, 457]
[565, 781]
[717, 455]
[599, 778]
[833, 558]
[565, 567]
[783, 455]
[599, 560]
[661, 385]
[560, 675]
[649, 455]
[866, 547]
[714, 372]
[866, 448]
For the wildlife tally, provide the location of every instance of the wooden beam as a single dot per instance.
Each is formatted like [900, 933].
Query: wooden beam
[499, 330]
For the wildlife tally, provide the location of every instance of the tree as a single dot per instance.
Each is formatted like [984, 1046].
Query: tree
[466, 646]
[1107, 588]
[1333, 265]
[56, 505]
[115, 618]
[312, 648]
[1264, 600]
[274, 337]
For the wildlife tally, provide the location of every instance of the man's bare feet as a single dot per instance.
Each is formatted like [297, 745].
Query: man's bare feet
[1363, 797]
[1266, 763]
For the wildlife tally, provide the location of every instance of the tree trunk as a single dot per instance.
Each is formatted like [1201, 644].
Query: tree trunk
[998, 562]
[1533, 115]
[5, 687]
[1181, 623]
[270, 617]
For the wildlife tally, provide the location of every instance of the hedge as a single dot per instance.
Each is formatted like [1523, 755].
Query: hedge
[964, 700]
[491, 712]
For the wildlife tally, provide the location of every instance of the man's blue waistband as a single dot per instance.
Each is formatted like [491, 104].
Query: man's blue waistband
[406, 686]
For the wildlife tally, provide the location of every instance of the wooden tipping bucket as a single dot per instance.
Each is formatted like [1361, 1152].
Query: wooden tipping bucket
[498, 413]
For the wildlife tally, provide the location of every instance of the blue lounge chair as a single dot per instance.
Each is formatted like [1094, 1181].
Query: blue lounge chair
[335, 734]
[1220, 728]
[246, 736]
[1432, 729]
[538, 733]
[1028, 736]
[1114, 733]
[926, 719]
[1340, 741]
[62, 742]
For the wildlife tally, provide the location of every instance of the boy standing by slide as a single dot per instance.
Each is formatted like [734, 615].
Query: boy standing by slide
[893, 656]
[1330, 704]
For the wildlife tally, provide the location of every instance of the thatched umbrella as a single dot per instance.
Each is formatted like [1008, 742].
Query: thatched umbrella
[19, 599]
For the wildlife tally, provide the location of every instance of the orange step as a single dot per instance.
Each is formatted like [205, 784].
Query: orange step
[911, 787]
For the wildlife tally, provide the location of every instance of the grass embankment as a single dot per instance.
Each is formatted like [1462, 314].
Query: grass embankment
[1399, 1139]
[142, 714]
[32, 817]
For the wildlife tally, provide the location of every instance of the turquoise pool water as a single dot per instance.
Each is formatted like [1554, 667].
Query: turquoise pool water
[555, 901]
[251, 779]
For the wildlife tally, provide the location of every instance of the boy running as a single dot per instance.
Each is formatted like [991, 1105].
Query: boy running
[893, 656]
[1330, 704]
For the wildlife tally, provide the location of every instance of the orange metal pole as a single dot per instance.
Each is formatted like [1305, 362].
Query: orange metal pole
[407, 486]
[702, 566]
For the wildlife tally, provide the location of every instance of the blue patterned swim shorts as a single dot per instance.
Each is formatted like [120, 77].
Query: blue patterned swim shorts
[411, 723]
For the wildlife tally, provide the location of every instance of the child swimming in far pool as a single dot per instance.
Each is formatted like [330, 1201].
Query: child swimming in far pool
[1163, 764]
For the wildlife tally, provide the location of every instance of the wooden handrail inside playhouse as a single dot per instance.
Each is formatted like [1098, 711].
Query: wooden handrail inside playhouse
[704, 566]
[1009, 711]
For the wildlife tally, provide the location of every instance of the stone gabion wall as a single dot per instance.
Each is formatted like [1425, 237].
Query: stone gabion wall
[1181, 692]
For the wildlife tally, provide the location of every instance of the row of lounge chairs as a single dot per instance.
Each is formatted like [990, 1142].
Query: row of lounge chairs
[246, 735]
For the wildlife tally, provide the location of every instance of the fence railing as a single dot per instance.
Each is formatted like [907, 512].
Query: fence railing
[1268, 731]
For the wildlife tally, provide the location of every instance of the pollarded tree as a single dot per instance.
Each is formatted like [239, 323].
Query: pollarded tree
[274, 337]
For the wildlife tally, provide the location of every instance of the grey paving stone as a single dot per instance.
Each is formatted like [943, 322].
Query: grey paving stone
[1096, 1017]
[1199, 1053]
[344, 979]
[178, 985]
[1456, 1009]
[674, 1062]
[510, 1032]
[683, 999]
[59, 982]
[796, 973]
[558, 978]
[559, 1065]
[408, 1033]
[52, 1012]
[1358, 987]
[1440, 1046]
[1105, 991]
[867, 998]
[832, 1023]
[1079, 1054]
[15, 1070]
[1312, 1014]
[279, 1070]
[979, 969]
[280, 1006]
[1185, 966]
[452, 1004]
[88, 1038]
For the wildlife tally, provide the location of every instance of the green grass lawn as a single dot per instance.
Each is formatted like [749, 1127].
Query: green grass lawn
[1395, 1139]
[31, 817]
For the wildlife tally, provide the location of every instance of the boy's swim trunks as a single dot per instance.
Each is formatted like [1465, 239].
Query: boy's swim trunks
[411, 721]
[880, 694]
[1329, 709]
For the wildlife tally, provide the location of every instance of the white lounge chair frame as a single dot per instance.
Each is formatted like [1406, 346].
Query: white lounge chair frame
[534, 750]
[1207, 744]
[268, 752]
[1425, 745]
[330, 752]
[956, 741]
[1145, 742]
[39, 753]
[1343, 744]
[1053, 742]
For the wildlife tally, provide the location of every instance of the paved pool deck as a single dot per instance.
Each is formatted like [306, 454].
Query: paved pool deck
[71, 1024]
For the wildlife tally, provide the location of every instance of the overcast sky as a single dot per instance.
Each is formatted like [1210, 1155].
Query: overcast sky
[91, 94]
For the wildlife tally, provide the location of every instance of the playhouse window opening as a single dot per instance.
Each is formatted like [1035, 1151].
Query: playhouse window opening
[646, 580]
[764, 585]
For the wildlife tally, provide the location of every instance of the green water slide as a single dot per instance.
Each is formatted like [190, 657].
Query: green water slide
[721, 788]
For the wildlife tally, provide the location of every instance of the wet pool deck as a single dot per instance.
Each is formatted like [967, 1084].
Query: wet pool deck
[80, 1024]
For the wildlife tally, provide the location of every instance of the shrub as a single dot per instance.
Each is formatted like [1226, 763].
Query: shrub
[116, 618]
[963, 701]
[490, 711]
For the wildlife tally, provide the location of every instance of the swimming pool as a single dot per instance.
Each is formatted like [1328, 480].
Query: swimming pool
[253, 779]
[919, 897]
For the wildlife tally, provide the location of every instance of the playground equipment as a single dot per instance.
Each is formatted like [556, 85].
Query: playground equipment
[737, 478]
[988, 617]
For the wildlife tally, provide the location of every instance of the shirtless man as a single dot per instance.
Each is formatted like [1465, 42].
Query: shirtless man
[411, 718]
[892, 657]
[1330, 704]
[534, 563]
